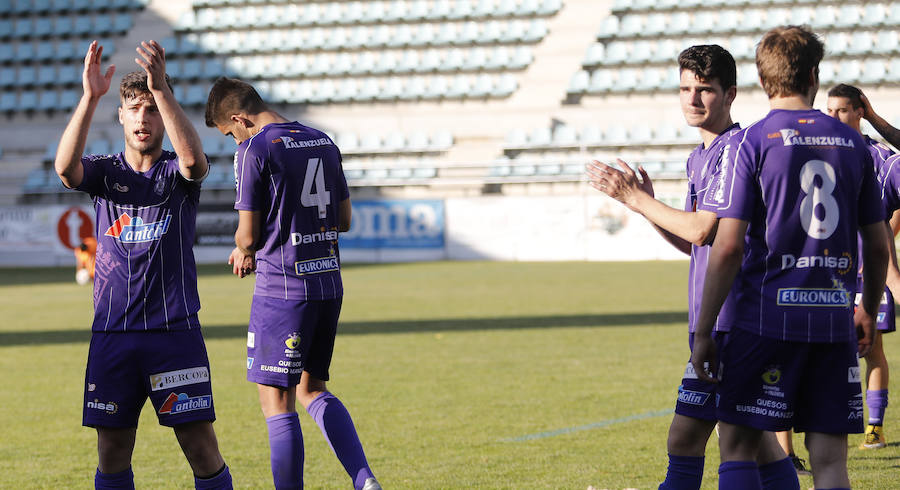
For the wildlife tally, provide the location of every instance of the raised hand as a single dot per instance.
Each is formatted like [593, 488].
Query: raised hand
[94, 83]
[153, 61]
[621, 185]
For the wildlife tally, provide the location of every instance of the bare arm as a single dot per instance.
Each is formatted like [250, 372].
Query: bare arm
[246, 239]
[893, 274]
[680, 228]
[344, 215]
[884, 128]
[725, 257]
[875, 253]
[184, 137]
[71, 145]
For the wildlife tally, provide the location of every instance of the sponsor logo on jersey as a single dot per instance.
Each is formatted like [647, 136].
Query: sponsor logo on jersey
[837, 297]
[322, 236]
[791, 137]
[134, 230]
[692, 397]
[858, 298]
[249, 363]
[292, 143]
[317, 266]
[853, 376]
[108, 407]
[251, 340]
[843, 264]
[181, 402]
[92, 387]
[181, 377]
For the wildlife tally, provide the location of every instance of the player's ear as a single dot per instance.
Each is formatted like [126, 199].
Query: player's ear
[730, 94]
[120, 115]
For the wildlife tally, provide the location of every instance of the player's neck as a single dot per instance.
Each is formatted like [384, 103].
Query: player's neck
[708, 135]
[140, 162]
[265, 118]
[794, 102]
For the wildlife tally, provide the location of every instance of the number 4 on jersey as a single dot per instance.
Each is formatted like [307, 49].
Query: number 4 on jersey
[321, 198]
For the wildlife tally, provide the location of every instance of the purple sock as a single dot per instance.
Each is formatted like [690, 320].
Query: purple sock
[337, 427]
[780, 475]
[684, 473]
[286, 450]
[219, 481]
[877, 400]
[114, 481]
[739, 475]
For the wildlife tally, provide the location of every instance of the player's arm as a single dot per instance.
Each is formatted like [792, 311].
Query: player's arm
[185, 140]
[71, 145]
[893, 273]
[345, 211]
[725, 257]
[875, 253]
[246, 239]
[680, 228]
[884, 128]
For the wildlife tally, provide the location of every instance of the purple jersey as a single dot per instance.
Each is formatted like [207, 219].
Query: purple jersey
[889, 178]
[702, 165]
[805, 184]
[878, 150]
[291, 174]
[145, 275]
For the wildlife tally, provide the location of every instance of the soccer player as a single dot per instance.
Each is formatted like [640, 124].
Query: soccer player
[792, 194]
[292, 201]
[707, 90]
[146, 339]
[845, 104]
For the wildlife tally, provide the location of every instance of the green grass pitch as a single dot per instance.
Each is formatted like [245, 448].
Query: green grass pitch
[458, 375]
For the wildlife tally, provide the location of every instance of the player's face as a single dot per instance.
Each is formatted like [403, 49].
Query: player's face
[841, 109]
[704, 103]
[236, 130]
[142, 123]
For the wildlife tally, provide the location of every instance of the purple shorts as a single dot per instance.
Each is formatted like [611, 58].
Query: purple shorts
[885, 321]
[697, 399]
[124, 368]
[287, 337]
[775, 385]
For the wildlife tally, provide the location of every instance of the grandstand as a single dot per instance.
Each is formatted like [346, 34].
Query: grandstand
[425, 97]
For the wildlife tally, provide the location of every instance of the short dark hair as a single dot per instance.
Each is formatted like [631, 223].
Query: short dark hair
[848, 91]
[785, 57]
[709, 62]
[134, 84]
[230, 96]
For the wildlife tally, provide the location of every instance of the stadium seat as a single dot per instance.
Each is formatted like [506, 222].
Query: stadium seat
[22, 28]
[704, 21]
[848, 16]
[616, 53]
[27, 76]
[537, 30]
[392, 90]
[7, 77]
[601, 81]
[641, 52]
[666, 51]
[655, 25]
[43, 27]
[873, 15]
[886, 42]
[591, 135]
[82, 25]
[504, 86]
[893, 73]
[482, 86]
[873, 71]
[837, 43]
[860, 43]
[45, 51]
[7, 53]
[8, 102]
[616, 136]
[753, 20]
[416, 87]
[579, 83]
[626, 81]
[565, 136]
[48, 100]
[650, 79]
[46, 75]
[823, 17]
[679, 23]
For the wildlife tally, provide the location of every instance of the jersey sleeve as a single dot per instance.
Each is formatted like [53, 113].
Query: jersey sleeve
[94, 172]
[731, 193]
[248, 168]
[890, 184]
[871, 207]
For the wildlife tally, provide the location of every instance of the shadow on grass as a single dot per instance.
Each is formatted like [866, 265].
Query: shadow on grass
[46, 337]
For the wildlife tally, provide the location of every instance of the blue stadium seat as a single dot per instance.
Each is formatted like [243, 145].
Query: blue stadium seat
[7, 77]
[102, 25]
[69, 99]
[27, 76]
[195, 95]
[6, 28]
[48, 100]
[22, 28]
[68, 75]
[45, 51]
[8, 102]
[66, 51]
[82, 25]
[62, 5]
[63, 26]
[7, 53]
[43, 27]
[46, 75]
[28, 101]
